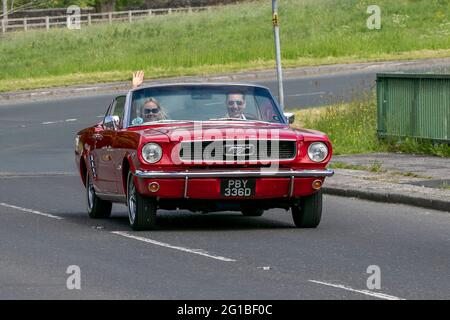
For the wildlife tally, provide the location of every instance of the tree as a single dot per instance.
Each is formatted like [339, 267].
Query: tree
[99, 5]
[104, 5]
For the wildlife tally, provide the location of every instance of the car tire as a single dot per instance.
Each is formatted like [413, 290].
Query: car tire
[309, 211]
[141, 210]
[252, 212]
[96, 207]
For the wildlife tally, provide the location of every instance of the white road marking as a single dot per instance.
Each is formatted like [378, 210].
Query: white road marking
[13, 175]
[31, 211]
[365, 292]
[162, 244]
[306, 94]
[49, 122]
[58, 121]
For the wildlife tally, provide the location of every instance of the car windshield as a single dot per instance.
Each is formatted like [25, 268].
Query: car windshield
[202, 103]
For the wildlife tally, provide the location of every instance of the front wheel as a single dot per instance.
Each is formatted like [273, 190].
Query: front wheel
[97, 208]
[141, 210]
[309, 211]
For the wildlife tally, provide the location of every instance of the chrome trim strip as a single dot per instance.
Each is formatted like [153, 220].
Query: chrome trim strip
[245, 139]
[291, 186]
[199, 84]
[112, 197]
[127, 111]
[92, 165]
[251, 161]
[186, 187]
[232, 174]
[238, 161]
[211, 84]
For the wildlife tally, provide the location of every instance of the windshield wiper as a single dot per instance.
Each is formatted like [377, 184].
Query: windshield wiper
[237, 119]
[226, 119]
[164, 121]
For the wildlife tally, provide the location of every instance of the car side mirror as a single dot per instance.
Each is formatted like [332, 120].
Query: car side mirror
[290, 117]
[111, 122]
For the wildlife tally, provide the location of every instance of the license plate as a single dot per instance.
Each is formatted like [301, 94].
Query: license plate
[237, 187]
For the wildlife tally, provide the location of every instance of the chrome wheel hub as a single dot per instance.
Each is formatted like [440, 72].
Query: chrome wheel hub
[132, 202]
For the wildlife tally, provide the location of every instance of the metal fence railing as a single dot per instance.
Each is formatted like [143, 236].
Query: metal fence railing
[26, 24]
[414, 105]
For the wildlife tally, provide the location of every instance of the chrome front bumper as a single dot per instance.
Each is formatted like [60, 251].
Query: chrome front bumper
[233, 174]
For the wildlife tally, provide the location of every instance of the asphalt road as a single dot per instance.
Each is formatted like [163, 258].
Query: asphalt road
[273, 260]
[44, 228]
[312, 91]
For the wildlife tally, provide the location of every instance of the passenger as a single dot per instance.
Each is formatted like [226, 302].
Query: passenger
[151, 110]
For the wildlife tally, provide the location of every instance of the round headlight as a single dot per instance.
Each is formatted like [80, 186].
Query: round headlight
[317, 151]
[151, 152]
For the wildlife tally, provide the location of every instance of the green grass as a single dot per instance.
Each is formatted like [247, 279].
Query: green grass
[348, 166]
[232, 38]
[376, 166]
[411, 175]
[351, 128]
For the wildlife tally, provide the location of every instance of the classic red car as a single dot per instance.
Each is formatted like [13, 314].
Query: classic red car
[205, 148]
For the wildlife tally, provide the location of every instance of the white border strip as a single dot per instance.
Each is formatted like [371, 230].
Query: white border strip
[31, 211]
[365, 292]
[162, 244]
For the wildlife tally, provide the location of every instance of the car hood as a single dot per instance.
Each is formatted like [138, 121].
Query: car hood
[232, 130]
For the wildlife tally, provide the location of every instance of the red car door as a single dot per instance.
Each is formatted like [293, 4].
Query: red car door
[104, 137]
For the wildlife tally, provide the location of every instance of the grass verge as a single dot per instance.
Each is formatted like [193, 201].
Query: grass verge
[231, 38]
[376, 166]
[352, 129]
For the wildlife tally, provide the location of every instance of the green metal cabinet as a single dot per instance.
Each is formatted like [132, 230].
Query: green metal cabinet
[414, 105]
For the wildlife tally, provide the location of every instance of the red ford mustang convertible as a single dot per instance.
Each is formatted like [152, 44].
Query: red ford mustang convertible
[205, 148]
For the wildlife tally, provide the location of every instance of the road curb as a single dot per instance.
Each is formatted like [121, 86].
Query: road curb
[390, 198]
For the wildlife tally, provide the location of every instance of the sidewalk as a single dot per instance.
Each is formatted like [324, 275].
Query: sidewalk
[422, 181]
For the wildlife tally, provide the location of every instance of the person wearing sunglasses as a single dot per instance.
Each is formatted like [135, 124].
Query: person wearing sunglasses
[151, 110]
[235, 104]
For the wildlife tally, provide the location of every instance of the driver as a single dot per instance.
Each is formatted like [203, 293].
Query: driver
[235, 104]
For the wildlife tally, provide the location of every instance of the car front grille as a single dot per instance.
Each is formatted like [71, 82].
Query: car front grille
[238, 150]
